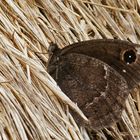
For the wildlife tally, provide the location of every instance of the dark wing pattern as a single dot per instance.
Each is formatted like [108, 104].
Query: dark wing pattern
[87, 81]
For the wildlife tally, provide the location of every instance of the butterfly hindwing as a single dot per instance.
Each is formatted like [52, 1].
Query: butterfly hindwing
[87, 82]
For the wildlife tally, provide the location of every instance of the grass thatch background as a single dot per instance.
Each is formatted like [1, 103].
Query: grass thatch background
[29, 106]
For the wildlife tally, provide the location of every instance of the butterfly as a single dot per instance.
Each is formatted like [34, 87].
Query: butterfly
[98, 76]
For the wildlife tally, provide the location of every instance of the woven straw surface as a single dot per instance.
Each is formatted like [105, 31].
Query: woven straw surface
[32, 106]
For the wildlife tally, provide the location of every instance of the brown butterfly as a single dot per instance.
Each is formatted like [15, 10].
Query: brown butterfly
[98, 76]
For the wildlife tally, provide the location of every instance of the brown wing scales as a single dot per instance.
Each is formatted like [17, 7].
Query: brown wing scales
[87, 82]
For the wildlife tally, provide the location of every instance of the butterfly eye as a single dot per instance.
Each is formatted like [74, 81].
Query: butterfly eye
[52, 48]
[129, 56]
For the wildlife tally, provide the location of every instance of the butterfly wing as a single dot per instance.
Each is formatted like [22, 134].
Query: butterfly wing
[120, 55]
[87, 81]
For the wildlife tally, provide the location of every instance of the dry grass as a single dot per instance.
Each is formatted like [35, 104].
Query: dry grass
[31, 104]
